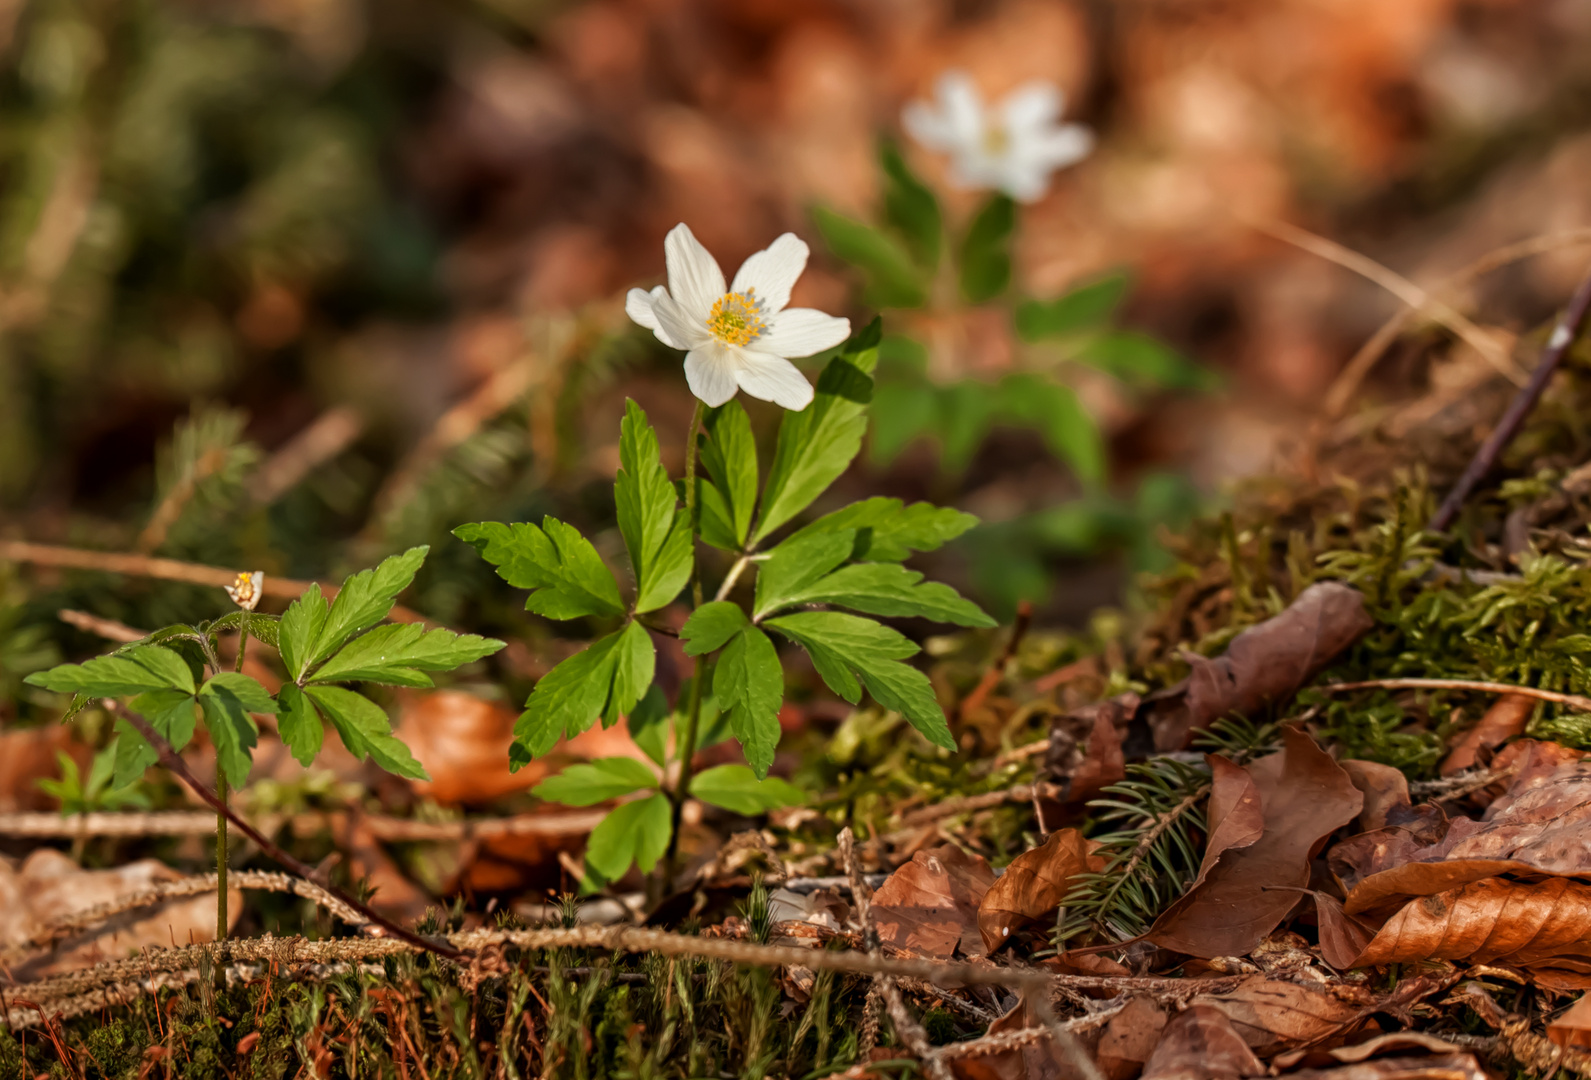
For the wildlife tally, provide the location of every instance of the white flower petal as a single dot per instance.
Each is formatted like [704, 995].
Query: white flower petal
[963, 106]
[1031, 107]
[773, 271]
[1060, 147]
[801, 332]
[1024, 182]
[675, 327]
[774, 379]
[710, 369]
[639, 306]
[694, 279]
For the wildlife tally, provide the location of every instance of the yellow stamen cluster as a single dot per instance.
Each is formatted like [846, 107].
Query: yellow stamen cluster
[736, 318]
[996, 140]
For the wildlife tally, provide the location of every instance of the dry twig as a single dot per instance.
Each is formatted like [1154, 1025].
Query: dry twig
[1574, 701]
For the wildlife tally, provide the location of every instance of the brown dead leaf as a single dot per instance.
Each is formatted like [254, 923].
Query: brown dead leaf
[1273, 1015]
[1342, 937]
[1573, 1026]
[930, 905]
[1243, 893]
[1129, 1039]
[462, 741]
[1085, 752]
[1386, 790]
[1265, 664]
[1455, 1066]
[1200, 1044]
[1040, 1060]
[1543, 829]
[49, 888]
[1376, 1046]
[1523, 923]
[1503, 721]
[1034, 885]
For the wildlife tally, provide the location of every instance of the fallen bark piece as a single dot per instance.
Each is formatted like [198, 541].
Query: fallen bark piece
[929, 906]
[1264, 665]
[1200, 1044]
[1246, 892]
[1034, 886]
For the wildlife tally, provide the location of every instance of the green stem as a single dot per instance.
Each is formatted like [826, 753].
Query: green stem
[220, 817]
[685, 749]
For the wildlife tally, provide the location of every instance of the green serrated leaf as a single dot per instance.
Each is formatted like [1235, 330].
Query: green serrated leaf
[133, 670]
[798, 562]
[986, 252]
[817, 444]
[365, 599]
[364, 729]
[740, 791]
[567, 700]
[564, 571]
[634, 663]
[910, 206]
[299, 724]
[902, 412]
[636, 832]
[169, 712]
[749, 685]
[710, 627]
[714, 517]
[1141, 361]
[671, 569]
[400, 653]
[889, 589]
[596, 781]
[659, 546]
[1085, 308]
[967, 410]
[300, 629]
[648, 724]
[889, 531]
[729, 456]
[842, 644]
[134, 755]
[262, 627]
[892, 280]
[227, 699]
[1055, 410]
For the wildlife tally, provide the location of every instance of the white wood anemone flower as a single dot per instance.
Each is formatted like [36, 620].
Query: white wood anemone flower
[1012, 147]
[247, 590]
[738, 336]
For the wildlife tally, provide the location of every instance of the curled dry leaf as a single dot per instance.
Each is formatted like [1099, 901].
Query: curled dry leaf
[1200, 1044]
[1524, 923]
[1455, 1066]
[1503, 721]
[1085, 754]
[930, 905]
[1573, 1026]
[1273, 1015]
[1244, 892]
[1265, 664]
[1034, 886]
[1545, 829]
[1386, 791]
[1376, 1046]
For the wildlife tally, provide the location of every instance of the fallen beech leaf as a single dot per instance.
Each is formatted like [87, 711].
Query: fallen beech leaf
[1342, 937]
[1130, 1038]
[1265, 664]
[1436, 1067]
[1235, 901]
[1377, 1046]
[1200, 1044]
[1040, 1060]
[1085, 752]
[1504, 720]
[1542, 830]
[1573, 1026]
[463, 741]
[50, 888]
[1522, 923]
[930, 905]
[1531, 763]
[1034, 885]
[1273, 1015]
[1385, 790]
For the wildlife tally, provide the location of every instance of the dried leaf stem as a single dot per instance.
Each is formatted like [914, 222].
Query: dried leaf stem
[179, 768]
[1574, 701]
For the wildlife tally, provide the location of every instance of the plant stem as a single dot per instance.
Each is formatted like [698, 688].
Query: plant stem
[220, 817]
[685, 748]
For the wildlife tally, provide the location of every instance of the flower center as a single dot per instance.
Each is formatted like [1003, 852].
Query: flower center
[736, 318]
[996, 140]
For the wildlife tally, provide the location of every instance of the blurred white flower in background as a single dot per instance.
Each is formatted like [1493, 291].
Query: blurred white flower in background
[738, 336]
[1012, 147]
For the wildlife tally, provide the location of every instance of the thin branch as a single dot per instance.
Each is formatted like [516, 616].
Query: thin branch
[996, 671]
[1574, 701]
[199, 823]
[327, 436]
[133, 565]
[967, 804]
[179, 768]
[1400, 287]
[1563, 335]
[109, 629]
